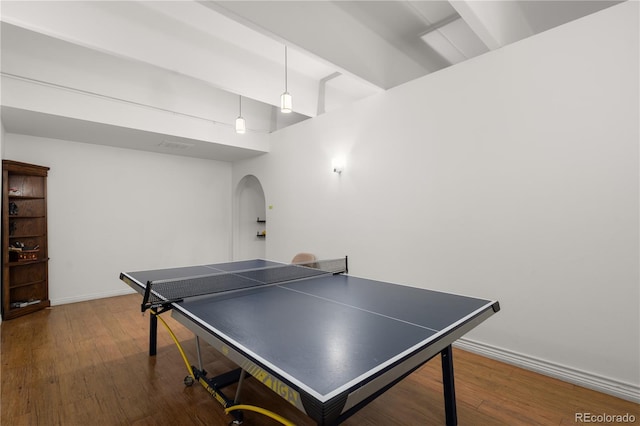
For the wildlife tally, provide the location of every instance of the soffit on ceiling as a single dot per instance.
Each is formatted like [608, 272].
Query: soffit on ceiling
[338, 51]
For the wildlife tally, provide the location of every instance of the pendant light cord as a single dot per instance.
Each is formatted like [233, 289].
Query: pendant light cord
[285, 69]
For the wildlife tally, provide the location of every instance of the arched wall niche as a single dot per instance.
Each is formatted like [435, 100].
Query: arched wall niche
[249, 220]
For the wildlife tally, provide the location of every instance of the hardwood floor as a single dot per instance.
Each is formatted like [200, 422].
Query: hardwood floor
[87, 363]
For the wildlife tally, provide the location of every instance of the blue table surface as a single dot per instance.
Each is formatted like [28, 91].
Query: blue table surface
[328, 332]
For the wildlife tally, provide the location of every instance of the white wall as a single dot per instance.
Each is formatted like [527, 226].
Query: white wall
[512, 176]
[2, 133]
[113, 210]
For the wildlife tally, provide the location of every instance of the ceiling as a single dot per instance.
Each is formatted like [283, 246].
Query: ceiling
[338, 52]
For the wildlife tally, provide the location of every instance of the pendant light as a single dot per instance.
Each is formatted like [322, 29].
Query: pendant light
[286, 104]
[240, 123]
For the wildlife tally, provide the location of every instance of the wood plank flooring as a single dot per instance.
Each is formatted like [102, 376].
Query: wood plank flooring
[87, 363]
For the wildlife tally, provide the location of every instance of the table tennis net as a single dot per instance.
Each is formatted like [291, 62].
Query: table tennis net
[164, 292]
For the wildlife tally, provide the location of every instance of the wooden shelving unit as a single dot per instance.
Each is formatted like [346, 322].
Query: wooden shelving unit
[25, 283]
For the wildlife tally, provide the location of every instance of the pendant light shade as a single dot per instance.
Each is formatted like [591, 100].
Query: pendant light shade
[286, 102]
[241, 126]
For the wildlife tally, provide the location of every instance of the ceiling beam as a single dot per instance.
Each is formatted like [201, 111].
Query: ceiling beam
[437, 25]
[145, 32]
[497, 23]
[326, 31]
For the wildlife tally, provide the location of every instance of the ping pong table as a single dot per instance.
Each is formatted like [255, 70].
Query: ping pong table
[325, 341]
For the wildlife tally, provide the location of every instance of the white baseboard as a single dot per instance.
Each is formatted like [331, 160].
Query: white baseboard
[627, 391]
[92, 296]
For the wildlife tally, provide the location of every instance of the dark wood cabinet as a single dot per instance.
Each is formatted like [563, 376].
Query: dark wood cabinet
[25, 283]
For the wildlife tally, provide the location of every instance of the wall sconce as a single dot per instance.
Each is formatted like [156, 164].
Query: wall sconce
[337, 164]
